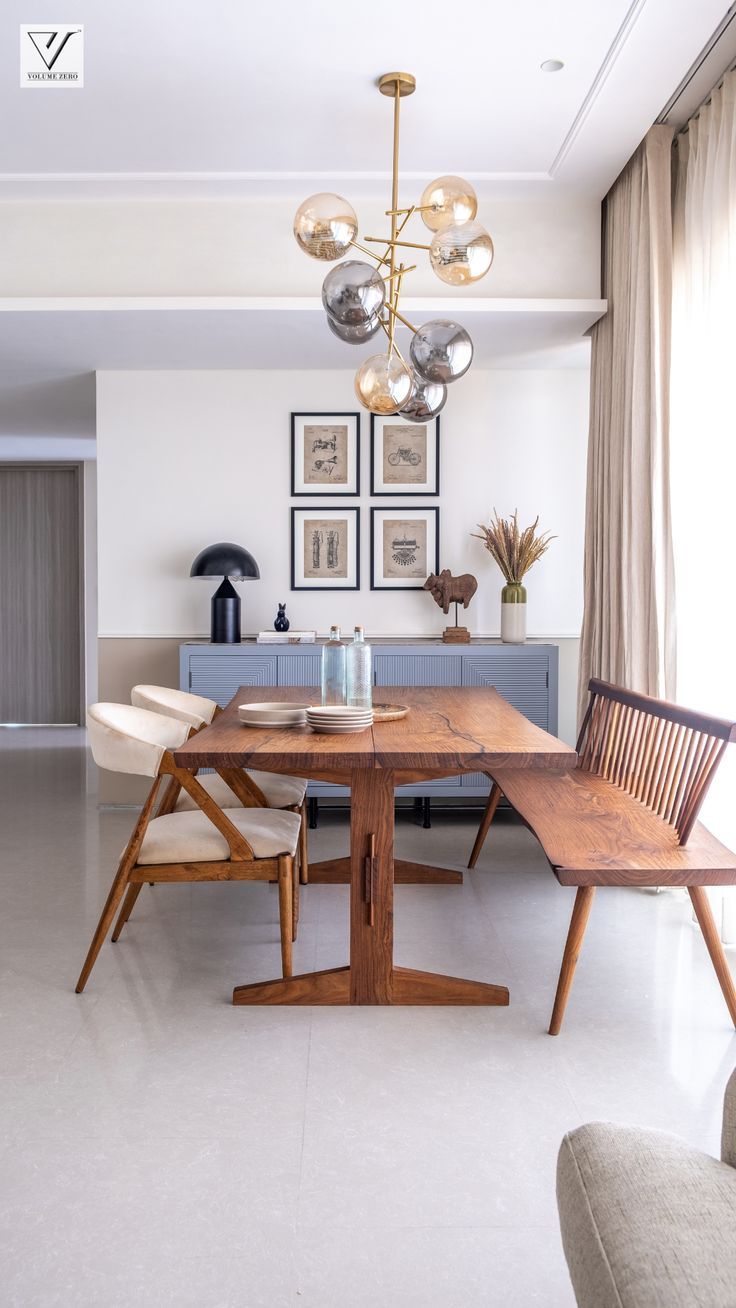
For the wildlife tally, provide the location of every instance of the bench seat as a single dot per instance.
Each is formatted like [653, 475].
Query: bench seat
[595, 834]
[627, 815]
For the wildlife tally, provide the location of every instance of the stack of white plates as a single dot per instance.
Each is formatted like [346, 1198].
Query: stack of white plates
[338, 719]
[273, 715]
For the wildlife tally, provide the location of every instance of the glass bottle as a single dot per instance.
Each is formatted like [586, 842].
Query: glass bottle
[359, 672]
[333, 669]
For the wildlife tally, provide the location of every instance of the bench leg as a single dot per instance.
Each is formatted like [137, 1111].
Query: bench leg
[704, 914]
[485, 823]
[578, 923]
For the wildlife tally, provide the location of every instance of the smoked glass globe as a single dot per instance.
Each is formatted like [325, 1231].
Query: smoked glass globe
[325, 225]
[441, 351]
[425, 401]
[453, 201]
[356, 334]
[383, 385]
[353, 292]
[461, 254]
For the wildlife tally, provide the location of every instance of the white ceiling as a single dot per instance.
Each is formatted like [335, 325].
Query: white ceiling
[277, 95]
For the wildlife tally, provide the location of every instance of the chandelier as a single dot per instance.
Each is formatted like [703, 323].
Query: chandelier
[362, 299]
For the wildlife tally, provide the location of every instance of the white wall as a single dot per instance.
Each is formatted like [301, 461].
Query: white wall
[245, 247]
[188, 458]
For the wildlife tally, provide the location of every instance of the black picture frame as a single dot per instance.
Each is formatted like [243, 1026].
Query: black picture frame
[409, 510]
[404, 493]
[324, 487]
[344, 510]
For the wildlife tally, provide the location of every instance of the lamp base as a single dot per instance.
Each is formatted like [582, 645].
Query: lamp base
[225, 628]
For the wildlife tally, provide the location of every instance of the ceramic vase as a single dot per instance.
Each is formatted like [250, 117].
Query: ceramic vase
[513, 614]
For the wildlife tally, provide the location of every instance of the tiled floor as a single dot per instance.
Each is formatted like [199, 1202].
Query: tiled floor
[161, 1147]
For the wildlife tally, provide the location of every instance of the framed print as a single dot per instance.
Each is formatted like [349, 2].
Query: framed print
[405, 457]
[325, 548]
[325, 454]
[405, 547]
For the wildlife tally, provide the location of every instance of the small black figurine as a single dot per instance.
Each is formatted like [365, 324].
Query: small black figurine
[282, 622]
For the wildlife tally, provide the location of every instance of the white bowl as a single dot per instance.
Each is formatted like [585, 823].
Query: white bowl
[273, 715]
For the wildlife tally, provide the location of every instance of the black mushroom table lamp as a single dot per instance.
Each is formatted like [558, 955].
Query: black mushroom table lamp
[229, 562]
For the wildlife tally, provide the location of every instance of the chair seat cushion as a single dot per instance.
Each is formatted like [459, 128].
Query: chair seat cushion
[192, 838]
[647, 1221]
[280, 792]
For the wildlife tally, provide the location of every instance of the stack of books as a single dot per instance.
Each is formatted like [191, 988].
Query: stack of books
[286, 637]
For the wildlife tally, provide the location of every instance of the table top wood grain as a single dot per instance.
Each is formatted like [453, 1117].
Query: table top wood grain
[447, 730]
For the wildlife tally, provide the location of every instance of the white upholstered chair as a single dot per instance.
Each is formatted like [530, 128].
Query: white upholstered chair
[204, 843]
[266, 789]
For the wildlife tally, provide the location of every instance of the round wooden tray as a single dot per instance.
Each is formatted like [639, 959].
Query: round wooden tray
[389, 712]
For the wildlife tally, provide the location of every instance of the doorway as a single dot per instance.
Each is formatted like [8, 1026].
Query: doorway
[41, 589]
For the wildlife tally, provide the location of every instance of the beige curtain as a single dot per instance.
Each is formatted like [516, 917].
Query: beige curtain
[704, 436]
[628, 633]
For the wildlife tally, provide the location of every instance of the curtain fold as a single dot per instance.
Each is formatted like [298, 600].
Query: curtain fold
[704, 428]
[628, 633]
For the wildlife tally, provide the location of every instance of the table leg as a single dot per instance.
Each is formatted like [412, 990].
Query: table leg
[371, 977]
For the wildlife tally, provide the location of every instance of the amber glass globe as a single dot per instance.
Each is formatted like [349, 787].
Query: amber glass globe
[325, 225]
[383, 385]
[452, 201]
[460, 255]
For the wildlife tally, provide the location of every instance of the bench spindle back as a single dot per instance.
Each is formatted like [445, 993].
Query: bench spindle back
[663, 755]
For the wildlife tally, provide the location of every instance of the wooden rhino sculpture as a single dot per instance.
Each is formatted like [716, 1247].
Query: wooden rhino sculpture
[446, 589]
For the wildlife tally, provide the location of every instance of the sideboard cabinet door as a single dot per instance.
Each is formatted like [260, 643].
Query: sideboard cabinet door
[300, 670]
[417, 670]
[219, 678]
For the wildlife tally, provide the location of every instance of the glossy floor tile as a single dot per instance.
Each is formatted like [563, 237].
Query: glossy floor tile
[161, 1147]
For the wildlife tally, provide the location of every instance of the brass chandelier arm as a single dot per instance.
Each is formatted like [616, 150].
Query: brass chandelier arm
[387, 277]
[410, 245]
[415, 208]
[371, 253]
[397, 351]
[392, 307]
[400, 316]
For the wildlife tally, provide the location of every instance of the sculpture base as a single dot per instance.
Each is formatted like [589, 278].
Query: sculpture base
[456, 636]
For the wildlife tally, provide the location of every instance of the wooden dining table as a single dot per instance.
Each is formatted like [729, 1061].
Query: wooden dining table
[447, 731]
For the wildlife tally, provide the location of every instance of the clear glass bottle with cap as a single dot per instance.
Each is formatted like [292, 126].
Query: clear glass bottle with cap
[333, 669]
[359, 672]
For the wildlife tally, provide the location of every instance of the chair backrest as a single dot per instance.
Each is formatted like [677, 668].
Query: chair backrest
[194, 709]
[661, 754]
[128, 739]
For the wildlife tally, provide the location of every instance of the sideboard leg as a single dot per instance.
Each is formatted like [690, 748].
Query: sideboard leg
[427, 812]
[313, 806]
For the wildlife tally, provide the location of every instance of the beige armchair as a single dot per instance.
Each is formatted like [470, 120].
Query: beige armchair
[648, 1221]
[204, 843]
[262, 789]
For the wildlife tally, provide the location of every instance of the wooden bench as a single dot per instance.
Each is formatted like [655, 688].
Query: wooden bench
[627, 815]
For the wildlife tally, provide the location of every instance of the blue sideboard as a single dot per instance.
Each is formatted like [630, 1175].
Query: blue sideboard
[526, 675]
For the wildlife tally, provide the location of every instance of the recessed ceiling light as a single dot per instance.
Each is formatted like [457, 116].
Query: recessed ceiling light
[552, 65]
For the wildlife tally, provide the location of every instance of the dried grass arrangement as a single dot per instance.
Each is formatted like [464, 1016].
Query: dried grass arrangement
[514, 550]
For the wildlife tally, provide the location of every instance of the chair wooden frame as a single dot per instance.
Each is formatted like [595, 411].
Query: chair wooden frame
[640, 753]
[242, 864]
[251, 796]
